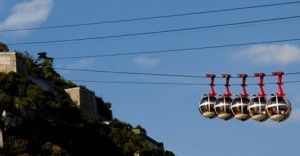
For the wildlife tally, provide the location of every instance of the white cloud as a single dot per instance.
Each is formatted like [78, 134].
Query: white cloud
[27, 14]
[145, 61]
[295, 116]
[1, 2]
[1, 6]
[270, 54]
[81, 64]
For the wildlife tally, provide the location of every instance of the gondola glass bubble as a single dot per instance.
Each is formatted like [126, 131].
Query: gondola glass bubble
[257, 108]
[206, 106]
[278, 108]
[222, 107]
[239, 108]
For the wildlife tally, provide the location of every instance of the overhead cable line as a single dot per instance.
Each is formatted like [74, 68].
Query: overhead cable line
[293, 73]
[139, 82]
[149, 74]
[169, 83]
[152, 17]
[154, 32]
[130, 73]
[167, 75]
[180, 49]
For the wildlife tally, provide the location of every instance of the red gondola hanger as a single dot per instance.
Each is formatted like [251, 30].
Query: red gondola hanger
[227, 85]
[279, 82]
[244, 91]
[261, 83]
[212, 89]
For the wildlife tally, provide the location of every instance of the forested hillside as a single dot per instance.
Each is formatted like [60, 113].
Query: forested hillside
[47, 123]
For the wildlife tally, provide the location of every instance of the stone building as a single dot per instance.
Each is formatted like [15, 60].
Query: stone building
[84, 98]
[10, 61]
[153, 143]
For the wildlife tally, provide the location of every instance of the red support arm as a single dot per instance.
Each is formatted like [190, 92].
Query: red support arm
[244, 91]
[261, 83]
[227, 76]
[212, 89]
[279, 83]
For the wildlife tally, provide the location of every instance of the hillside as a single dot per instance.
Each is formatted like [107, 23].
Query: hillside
[39, 122]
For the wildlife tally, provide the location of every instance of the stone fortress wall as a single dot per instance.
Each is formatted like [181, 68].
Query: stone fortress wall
[84, 98]
[10, 61]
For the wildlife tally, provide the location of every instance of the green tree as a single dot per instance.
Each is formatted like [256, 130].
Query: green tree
[3, 47]
[53, 124]
[169, 153]
[42, 67]
[104, 108]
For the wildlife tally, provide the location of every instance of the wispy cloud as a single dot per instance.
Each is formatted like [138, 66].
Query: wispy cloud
[27, 14]
[270, 54]
[295, 116]
[1, 4]
[146, 61]
[81, 64]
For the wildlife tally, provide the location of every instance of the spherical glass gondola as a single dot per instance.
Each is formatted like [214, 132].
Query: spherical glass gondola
[222, 107]
[257, 108]
[278, 108]
[206, 106]
[239, 108]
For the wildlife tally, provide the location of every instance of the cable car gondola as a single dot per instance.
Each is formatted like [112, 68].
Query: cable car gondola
[257, 105]
[278, 107]
[207, 103]
[239, 105]
[223, 104]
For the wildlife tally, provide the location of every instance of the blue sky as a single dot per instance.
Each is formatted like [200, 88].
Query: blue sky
[170, 113]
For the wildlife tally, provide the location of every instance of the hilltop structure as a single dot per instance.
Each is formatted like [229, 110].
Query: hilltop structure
[153, 143]
[84, 98]
[10, 61]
